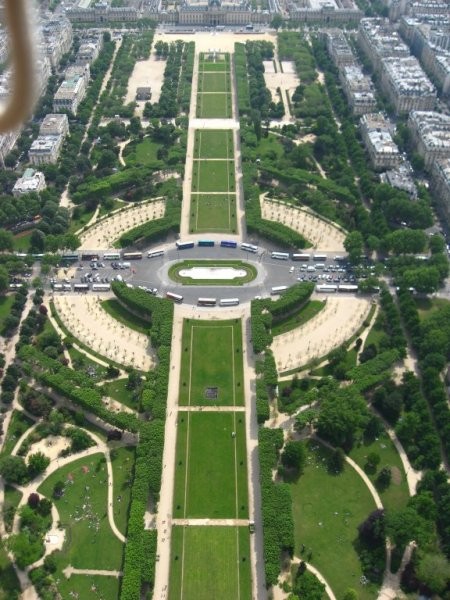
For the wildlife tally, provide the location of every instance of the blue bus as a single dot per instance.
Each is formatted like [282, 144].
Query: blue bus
[205, 243]
[228, 244]
[184, 245]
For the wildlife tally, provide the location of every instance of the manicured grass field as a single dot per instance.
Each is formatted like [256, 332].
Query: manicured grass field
[11, 501]
[5, 306]
[121, 314]
[213, 67]
[214, 106]
[118, 390]
[213, 176]
[209, 563]
[213, 143]
[327, 511]
[211, 466]
[146, 151]
[306, 313]
[215, 212]
[22, 241]
[18, 424]
[221, 343]
[396, 495]
[428, 306]
[214, 82]
[90, 542]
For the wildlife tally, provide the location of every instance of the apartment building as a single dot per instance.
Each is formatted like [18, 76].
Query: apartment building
[54, 124]
[406, 85]
[379, 40]
[401, 178]
[431, 134]
[45, 149]
[358, 89]
[72, 90]
[31, 181]
[57, 37]
[339, 48]
[440, 187]
[376, 134]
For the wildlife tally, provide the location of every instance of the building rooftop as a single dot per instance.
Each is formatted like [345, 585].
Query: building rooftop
[408, 76]
[44, 143]
[443, 166]
[384, 40]
[432, 127]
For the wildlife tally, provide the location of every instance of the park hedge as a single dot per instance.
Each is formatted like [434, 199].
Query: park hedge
[140, 552]
[240, 70]
[278, 521]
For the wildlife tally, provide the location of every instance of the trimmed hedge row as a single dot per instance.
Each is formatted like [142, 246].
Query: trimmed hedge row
[291, 301]
[367, 374]
[185, 84]
[240, 70]
[278, 522]
[153, 231]
[140, 552]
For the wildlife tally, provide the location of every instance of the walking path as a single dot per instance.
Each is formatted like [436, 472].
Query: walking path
[69, 571]
[211, 522]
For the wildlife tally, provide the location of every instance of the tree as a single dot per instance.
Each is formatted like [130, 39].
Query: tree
[307, 586]
[372, 462]
[384, 478]
[277, 21]
[37, 463]
[4, 280]
[294, 456]
[6, 240]
[13, 469]
[350, 594]
[354, 245]
[434, 571]
[336, 462]
[406, 525]
[33, 500]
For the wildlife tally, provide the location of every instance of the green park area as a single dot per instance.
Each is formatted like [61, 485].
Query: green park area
[213, 212]
[89, 541]
[210, 562]
[328, 507]
[211, 466]
[213, 143]
[213, 176]
[214, 82]
[214, 106]
[218, 381]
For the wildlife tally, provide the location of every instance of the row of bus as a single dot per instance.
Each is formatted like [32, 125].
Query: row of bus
[81, 287]
[180, 245]
[205, 301]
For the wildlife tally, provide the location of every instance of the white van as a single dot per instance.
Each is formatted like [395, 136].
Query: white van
[311, 268]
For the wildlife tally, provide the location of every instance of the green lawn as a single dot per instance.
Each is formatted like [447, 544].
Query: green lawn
[213, 213]
[88, 587]
[428, 306]
[214, 143]
[9, 583]
[81, 362]
[22, 241]
[306, 313]
[221, 343]
[396, 495]
[90, 542]
[5, 306]
[18, 424]
[376, 333]
[214, 82]
[122, 461]
[327, 511]
[209, 563]
[211, 466]
[81, 221]
[213, 176]
[214, 106]
[121, 314]
[211, 67]
[146, 152]
[117, 390]
[12, 498]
